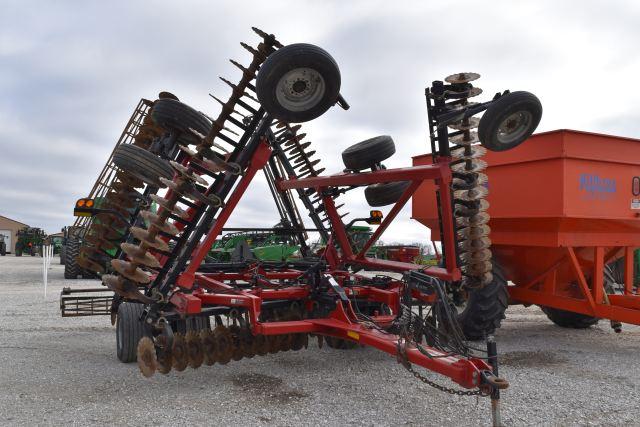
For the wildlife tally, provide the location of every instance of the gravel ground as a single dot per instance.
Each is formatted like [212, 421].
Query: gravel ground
[64, 371]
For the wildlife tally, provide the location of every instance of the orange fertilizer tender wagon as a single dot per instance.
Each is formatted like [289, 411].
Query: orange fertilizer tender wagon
[565, 221]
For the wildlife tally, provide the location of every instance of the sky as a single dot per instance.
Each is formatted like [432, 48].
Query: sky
[71, 73]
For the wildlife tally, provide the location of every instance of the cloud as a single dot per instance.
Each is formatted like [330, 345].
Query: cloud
[72, 72]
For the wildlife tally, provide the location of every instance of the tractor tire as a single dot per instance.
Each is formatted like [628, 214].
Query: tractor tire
[71, 267]
[129, 330]
[368, 153]
[386, 193]
[485, 308]
[569, 319]
[298, 83]
[340, 344]
[142, 164]
[173, 114]
[3, 249]
[62, 254]
[509, 121]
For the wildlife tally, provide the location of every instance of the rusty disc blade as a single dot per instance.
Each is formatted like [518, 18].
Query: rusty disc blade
[465, 77]
[171, 207]
[209, 346]
[147, 361]
[463, 139]
[224, 345]
[179, 353]
[472, 123]
[120, 199]
[185, 172]
[113, 221]
[100, 242]
[246, 343]
[274, 343]
[471, 152]
[141, 257]
[146, 237]
[299, 341]
[237, 348]
[163, 354]
[125, 288]
[106, 231]
[115, 206]
[120, 186]
[158, 222]
[195, 351]
[125, 267]
[286, 342]
[91, 265]
[130, 180]
[260, 345]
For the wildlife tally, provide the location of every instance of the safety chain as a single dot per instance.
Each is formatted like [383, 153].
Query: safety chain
[402, 359]
[444, 388]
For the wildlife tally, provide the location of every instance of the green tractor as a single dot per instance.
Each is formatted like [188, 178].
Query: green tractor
[29, 241]
[55, 241]
[264, 245]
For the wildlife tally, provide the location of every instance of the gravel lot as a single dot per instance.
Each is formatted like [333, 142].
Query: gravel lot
[64, 371]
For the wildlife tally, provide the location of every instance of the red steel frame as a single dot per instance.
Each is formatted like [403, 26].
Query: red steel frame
[341, 323]
[581, 289]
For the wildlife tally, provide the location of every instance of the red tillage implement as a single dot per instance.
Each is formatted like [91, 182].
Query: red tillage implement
[163, 286]
[565, 221]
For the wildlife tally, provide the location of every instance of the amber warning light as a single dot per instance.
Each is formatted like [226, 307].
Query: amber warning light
[84, 207]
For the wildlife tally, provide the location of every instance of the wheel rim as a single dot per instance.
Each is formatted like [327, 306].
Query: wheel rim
[300, 89]
[514, 127]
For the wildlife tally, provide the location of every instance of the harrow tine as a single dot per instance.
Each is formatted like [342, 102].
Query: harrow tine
[250, 49]
[269, 38]
[237, 64]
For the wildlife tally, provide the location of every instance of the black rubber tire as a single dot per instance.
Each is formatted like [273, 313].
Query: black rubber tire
[129, 330]
[142, 164]
[71, 267]
[63, 251]
[569, 319]
[368, 153]
[500, 110]
[172, 114]
[340, 344]
[286, 59]
[386, 193]
[3, 249]
[485, 308]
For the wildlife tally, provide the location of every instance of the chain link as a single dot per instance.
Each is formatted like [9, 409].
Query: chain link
[404, 360]
[441, 387]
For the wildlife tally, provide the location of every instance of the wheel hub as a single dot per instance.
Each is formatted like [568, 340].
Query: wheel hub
[300, 89]
[514, 126]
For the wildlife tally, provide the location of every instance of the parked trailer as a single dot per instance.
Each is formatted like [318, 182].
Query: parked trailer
[564, 206]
